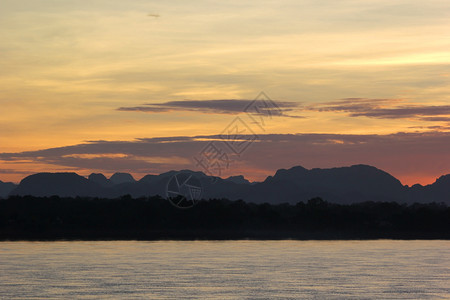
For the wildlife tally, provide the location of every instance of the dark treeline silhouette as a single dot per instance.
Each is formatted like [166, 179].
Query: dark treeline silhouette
[152, 218]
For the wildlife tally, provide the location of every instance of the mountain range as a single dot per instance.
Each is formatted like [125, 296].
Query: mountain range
[343, 185]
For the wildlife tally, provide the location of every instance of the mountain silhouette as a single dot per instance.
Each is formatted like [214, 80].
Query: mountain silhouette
[6, 188]
[118, 178]
[100, 179]
[343, 185]
[60, 184]
[238, 179]
[358, 183]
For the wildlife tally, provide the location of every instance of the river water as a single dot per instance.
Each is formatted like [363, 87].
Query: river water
[381, 269]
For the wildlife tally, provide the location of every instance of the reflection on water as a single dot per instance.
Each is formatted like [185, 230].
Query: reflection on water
[226, 269]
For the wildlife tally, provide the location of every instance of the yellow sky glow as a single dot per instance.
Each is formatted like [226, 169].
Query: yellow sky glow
[65, 67]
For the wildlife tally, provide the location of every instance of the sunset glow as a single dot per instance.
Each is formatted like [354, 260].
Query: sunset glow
[91, 86]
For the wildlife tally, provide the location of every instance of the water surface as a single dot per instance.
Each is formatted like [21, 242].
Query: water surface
[380, 269]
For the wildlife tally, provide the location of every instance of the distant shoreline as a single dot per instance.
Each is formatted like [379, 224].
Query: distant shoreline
[216, 236]
[154, 218]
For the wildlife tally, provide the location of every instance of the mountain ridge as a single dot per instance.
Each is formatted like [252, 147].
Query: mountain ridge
[356, 183]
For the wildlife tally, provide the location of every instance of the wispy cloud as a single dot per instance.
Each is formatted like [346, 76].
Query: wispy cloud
[386, 109]
[221, 106]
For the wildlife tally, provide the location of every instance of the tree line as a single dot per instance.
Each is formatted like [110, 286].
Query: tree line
[151, 218]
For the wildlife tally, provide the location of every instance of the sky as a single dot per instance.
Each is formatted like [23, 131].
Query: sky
[149, 86]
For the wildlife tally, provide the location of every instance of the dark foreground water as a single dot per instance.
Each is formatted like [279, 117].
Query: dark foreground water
[381, 269]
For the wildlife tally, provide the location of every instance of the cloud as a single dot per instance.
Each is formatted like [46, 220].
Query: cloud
[13, 171]
[386, 109]
[222, 106]
[411, 157]
[433, 127]
[436, 119]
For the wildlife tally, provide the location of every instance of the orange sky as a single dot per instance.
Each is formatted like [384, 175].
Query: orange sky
[72, 72]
